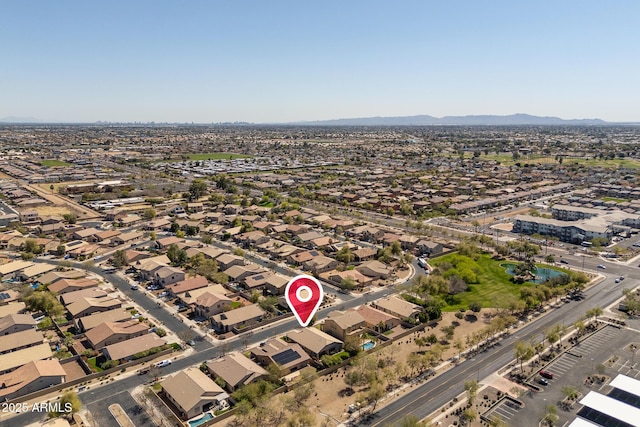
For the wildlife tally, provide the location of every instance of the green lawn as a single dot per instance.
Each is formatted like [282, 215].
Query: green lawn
[495, 283]
[93, 364]
[507, 160]
[52, 162]
[235, 304]
[614, 199]
[217, 156]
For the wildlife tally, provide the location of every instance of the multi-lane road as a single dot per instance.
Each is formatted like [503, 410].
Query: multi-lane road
[432, 395]
[420, 402]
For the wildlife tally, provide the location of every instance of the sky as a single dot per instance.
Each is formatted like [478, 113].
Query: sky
[284, 61]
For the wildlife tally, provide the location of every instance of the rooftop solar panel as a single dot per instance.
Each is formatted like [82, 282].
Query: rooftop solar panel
[287, 356]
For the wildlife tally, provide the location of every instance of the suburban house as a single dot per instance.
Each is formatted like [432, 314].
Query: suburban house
[377, 319]
[186, 285]
[13, 359]
[192, 392]
[63, 286]
[209, 304]
[33, 376]
[236, 370]
[428, 248]
[398, 307]
[239, 318]
[20, 340]
[374, 269]
[228, 260]
[315, 342]
[359, 279]
[87, 306]
[238, 273]
[287, 356]
[167, 275]
[71, 297]
[320, 264]
[340, 324]
[112, 332]
[125, 350]
[276, 284]
[16, 323]
[87, 323]
[126, 238]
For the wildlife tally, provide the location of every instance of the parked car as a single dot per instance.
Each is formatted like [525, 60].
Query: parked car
[163, 363]
[546, 374]
[134, 287]
[543, 381]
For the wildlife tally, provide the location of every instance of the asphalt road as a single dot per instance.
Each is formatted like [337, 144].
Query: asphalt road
[437, 392]
[420, 402]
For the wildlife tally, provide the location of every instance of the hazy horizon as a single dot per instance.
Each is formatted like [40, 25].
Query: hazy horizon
[285, 61]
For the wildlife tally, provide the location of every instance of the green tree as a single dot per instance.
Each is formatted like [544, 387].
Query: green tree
[69, 403]
[32, 246]
[471, 387]
[396, 248]
[149, 213]
[348, 283]
[197, 189]
[120, 258]
[345, 255]
[523, 351]
[176, 255]
[70, 218]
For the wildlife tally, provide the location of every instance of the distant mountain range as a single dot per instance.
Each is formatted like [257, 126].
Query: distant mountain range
[425, 120]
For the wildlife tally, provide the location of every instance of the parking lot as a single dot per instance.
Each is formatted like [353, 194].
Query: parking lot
[506, 410]
[608, 346]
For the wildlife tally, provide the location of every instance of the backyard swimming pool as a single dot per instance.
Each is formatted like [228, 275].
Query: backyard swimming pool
[368, 345]
[204, 419]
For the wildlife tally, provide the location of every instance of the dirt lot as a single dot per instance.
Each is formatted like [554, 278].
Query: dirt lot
[61, 202]
[330, 403]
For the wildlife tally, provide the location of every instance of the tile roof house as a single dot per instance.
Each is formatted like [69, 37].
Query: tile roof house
[16, 323]
[341, 324]
[398, 307]
[192, 392]
[186, 285]
[287, 356]
[239, 318]
[374, 269]
[10, 361]
[377, 319]
[71, 297]
[320, 264]
[20, 340]
[209, 304]
[167, 275]
[88, 306]
[64, 286]
[315, 342]
[125, 350]
[236, 370]
[33, 376]
[86, 323]
[109, 333]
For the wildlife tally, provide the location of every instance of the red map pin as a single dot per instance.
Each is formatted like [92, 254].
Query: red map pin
[304, 295]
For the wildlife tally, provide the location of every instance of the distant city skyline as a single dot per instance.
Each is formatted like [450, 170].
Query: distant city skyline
[289, 61]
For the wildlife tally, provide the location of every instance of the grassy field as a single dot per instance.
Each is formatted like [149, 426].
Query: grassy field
[217, 156]
[507, 160]
[52, 162]
[495, 283]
